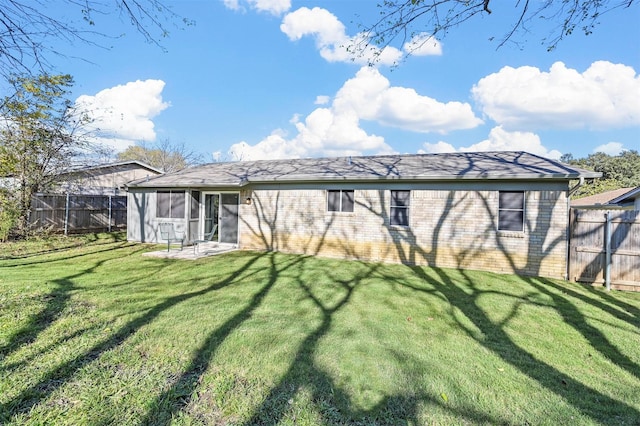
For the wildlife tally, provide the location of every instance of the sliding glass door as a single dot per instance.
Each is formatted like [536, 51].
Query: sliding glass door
[221, 209]
[211, 213]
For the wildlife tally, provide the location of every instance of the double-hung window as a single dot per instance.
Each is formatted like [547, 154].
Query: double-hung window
[170, 204]
[399, 214]
[340, 200]
[511, 211]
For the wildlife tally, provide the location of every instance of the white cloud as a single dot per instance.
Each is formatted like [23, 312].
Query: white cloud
[436, 148]
[335, 129]
[605, 96]
[322, 100]
[232, 4]
[331, 39]
[499, 140]
[423, 44]
[122, 115]
[321, 134]
[274, 7]
[372, 96]
[611, 148]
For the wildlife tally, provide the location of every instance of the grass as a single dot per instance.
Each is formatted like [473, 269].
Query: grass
[92, 332]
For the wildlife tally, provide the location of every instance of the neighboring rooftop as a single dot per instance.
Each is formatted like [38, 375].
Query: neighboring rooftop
[116, 165]
[608, 198]
[417, 167]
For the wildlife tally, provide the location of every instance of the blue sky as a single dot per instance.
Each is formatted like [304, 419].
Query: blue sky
[271, 79]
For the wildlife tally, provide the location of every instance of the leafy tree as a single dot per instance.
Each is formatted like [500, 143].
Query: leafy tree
[40, 136]
[619, 171]
[402, 20]
[27, 27]
[164, 155]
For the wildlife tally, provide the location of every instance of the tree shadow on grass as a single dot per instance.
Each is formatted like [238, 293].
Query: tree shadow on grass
[55, 378]
[605, 301]
[333, 404]
[71, 243]
[589, 401]
[26, 261]
[55, 302]
[576, 319]
[178, 396]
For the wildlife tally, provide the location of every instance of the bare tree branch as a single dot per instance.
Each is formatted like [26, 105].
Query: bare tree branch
[28, 29]
[401, 20]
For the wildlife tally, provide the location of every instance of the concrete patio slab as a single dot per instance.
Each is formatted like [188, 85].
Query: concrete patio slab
[189, 253]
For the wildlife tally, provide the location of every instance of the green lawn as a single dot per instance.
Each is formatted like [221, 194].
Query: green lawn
[92, 332]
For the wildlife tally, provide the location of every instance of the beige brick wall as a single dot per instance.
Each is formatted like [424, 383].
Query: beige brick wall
[448, 228]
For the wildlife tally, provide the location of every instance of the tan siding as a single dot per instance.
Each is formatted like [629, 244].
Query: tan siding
[447, 229]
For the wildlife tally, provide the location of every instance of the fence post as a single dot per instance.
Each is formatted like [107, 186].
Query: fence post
[110, 201]
[66, 216]
[607, 250]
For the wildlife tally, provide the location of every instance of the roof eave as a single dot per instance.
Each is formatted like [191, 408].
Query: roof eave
[563, 176]
[426, 178]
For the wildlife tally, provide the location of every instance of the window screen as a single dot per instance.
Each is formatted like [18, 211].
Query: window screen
[511, 211]
[340, 200]
[399, 214]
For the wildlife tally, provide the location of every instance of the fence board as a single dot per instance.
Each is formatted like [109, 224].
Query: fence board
[587, 256]
[83, 213]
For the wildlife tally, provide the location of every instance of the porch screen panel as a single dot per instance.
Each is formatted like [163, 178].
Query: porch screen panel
[177, 204]
[195, 204]
[163, 200]
[170, 204]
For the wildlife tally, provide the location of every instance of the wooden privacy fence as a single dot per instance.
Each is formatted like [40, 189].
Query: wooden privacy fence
[604, 248]
[79, 213]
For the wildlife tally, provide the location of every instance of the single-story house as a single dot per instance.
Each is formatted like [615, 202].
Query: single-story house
[498, 211]
[623, 198]
[103, 179]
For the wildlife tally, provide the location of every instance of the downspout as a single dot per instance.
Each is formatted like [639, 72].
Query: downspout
[576, 187]
[571, 192]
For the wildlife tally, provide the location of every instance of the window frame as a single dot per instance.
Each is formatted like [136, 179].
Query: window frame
[341, 205]
[502, 227]
[172, 195]
[406, 208]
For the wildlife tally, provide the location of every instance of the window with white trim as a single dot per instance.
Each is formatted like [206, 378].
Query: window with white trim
[170, 204]
[399, 212]
[511, 211]
[340, 200]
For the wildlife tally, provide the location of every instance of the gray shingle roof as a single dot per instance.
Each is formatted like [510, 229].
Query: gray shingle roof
[421, 167]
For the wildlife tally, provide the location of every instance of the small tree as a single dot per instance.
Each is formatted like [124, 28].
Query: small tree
[164, 155]
[8, 214]
[40, 136]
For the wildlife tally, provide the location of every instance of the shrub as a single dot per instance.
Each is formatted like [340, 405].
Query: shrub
[9, 213]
